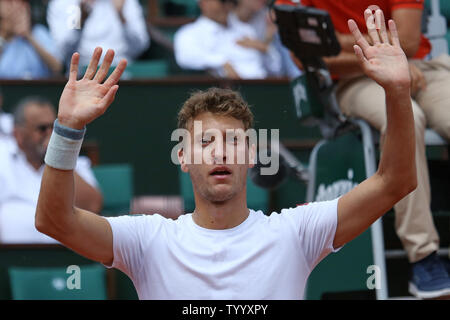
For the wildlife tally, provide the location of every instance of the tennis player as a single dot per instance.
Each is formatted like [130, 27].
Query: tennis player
[224, 250]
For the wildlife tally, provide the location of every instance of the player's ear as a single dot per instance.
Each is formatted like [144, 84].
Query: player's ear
[182, 160]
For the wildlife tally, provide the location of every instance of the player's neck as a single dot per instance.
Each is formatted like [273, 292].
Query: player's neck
[223, 215]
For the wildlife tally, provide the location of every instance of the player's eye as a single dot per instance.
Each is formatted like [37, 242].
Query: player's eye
[233, 140]
[207, 140]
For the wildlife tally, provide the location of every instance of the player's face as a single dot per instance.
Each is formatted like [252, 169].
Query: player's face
[222, 172]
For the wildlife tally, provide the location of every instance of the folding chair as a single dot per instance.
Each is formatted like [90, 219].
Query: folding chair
[56, 283]
[116, 184]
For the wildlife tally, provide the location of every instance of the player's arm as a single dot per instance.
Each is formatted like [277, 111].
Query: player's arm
[81, 102]
[396, 175]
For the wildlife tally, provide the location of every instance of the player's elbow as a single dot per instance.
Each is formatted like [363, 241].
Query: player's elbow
[52, 226]
[411, 185]
[41, 223]
[39, 218]
[96, 203]
[47, 228]
[403, 186]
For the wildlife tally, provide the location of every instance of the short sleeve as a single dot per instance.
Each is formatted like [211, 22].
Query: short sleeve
[315, 224]
[406, 4]
[131, 237]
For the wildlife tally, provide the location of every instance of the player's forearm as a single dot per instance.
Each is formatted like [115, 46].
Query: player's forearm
[55, 206]
[397, 164]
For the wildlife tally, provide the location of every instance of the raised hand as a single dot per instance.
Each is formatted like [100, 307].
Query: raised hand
[384, 62]
[85, 100]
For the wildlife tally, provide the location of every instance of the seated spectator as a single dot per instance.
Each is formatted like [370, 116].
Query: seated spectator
[83, 25]
[256, 14]
[26, 51]
[361, 97]
[221, 45]
[21, 169]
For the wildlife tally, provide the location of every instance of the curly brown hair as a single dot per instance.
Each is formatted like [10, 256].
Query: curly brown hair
[224, 102]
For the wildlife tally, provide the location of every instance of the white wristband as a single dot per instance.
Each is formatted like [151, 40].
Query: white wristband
[64, 147]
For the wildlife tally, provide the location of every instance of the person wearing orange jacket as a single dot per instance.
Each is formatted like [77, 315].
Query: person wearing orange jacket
[361, 97]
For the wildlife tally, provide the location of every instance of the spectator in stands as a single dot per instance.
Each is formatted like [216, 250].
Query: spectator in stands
[26, 51]
[21, 169]
[83, 25]
[221, 45]
[361, 97]
[257, 15]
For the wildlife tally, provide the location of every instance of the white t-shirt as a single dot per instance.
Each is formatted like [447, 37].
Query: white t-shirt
[265, 257]
[19, 191]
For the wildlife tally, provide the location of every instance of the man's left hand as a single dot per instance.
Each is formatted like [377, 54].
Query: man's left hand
[384, 62]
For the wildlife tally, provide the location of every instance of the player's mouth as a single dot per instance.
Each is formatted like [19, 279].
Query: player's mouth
[221, 173]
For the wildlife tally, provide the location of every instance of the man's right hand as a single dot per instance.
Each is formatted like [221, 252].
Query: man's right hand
[85, 100]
